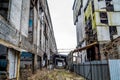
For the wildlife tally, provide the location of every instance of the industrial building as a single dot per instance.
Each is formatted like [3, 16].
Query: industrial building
[26, 36]
[97, 54]
[97, 25]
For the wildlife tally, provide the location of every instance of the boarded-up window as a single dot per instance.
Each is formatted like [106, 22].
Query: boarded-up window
[4, 4]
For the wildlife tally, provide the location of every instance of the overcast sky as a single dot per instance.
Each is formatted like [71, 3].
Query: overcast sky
[62, 19]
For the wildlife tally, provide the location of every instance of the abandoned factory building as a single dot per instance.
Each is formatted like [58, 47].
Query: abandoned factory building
[26, 36]
[98, 29]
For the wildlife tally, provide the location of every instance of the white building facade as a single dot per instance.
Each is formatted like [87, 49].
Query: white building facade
[97, 22]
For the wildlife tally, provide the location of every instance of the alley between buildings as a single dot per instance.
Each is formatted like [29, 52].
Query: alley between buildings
[56, 74]
[28, 48]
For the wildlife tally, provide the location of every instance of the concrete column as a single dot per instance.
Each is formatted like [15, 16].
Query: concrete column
[40, 62]
[46, 62]
[96, 53]
[18, 66]
[34, 64]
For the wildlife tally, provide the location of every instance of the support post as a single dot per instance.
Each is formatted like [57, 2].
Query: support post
[18, 66]
[34, 64]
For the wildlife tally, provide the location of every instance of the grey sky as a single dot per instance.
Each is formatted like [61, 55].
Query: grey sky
[62, 19]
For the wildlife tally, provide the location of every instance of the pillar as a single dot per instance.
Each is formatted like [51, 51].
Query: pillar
[18, 66]
[34, 63]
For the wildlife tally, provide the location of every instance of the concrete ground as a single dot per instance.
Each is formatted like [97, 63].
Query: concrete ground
[55, 75]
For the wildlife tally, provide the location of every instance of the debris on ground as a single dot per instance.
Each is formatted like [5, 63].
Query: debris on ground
[55, 75]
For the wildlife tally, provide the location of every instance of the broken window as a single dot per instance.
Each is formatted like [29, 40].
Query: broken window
[109, 5]
[103, 17]
[31, 23]
[4, 4]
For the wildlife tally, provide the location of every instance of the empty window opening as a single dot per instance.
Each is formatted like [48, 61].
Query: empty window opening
[4, 4]
[3, 59]
[103, 17]
[45, 60]
[31, 23]
[109, 5]
[39, 61]
[93, 8]
[45, 27]
[45, 31]
[113, 31]
[100, 0]
[40, 38]
[88, 25]
[26, 60]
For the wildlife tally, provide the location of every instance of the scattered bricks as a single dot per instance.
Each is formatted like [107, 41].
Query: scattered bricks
[112, 49]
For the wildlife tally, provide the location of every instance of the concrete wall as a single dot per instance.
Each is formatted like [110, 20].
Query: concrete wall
[25, 17]
[78, 17]
[15, 13]
[14, 32]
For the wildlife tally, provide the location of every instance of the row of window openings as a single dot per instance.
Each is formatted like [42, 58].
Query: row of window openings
[109, 5]
[112, 30]
[4, 5]
[103, 19]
